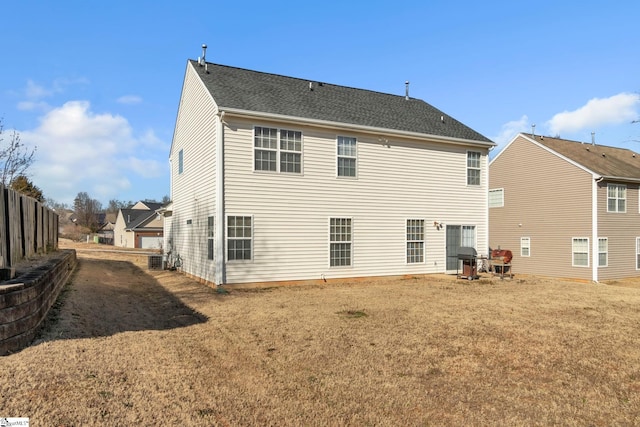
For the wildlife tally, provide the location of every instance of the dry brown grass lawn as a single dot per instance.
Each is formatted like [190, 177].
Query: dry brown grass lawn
[128, 345]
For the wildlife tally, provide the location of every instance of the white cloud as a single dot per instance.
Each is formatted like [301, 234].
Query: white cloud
[80, 150]
[510, 129]
[129, 99]
[616, 109]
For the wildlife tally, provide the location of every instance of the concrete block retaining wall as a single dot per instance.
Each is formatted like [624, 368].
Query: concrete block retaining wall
[26, 300]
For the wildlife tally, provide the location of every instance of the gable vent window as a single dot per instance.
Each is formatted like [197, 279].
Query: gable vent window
[180, 161]
[277, 150]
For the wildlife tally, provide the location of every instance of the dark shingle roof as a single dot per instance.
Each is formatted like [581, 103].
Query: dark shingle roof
[135, 217]
[237, 88]
[603, 160]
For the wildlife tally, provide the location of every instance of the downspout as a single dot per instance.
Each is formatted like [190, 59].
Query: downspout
[595, 257]
[220, 252]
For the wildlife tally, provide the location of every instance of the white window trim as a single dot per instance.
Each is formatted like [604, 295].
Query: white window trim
[607, 251]
[226, 240]
[522, 246]
[467, 168]
[423, 241]
[573, 252]
[637, 252]
[617, 199]
[334, 267]
[277, 150]
[497, 191]
[338, 156]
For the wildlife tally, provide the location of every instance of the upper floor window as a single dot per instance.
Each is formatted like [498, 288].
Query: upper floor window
[347, 156]
[277, 150]
[616, 198]
[180, 161]
[473, 167]
[496, 198]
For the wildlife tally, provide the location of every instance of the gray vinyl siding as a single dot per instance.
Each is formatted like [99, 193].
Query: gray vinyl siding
[193, 190]
[547, 199]
[621, 229]
[396, 180]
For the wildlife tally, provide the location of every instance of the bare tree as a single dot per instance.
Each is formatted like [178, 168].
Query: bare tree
[15, 157]
[87, 211]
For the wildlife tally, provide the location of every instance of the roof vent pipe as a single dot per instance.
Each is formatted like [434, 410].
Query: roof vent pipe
[533, 130]
[406, 90]
[204, 55]
[593, 138]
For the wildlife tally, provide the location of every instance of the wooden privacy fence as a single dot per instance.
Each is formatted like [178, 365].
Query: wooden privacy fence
[27, 227]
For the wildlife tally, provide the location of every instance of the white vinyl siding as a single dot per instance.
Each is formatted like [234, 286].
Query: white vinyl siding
[603, 252]
[525, 246]
[473, 167]
[496, 198]
[415, 241]
[347, 156]
[291, 238]
[580, 252]
[616, 198]
[340, 242]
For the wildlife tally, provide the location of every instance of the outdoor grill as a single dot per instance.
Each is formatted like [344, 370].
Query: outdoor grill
[469, 258]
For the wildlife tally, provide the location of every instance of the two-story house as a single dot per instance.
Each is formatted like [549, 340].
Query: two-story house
[566, 208]
[276, 178]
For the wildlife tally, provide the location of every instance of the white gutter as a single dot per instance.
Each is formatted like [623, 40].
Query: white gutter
[361, 128]
[595, 257]
[219, 250]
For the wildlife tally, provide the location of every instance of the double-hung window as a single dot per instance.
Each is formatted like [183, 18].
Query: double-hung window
[580, 252]
[616, 198]
[180, 161]
[339, 242]
[415, 241]
[637, 253]
[603, 252]
[525, 246]
[347, 156]
[239, 238]
[473, 167]
[277, 150]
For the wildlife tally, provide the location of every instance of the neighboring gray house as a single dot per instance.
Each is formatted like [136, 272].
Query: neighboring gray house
[276, 178]
[566, 208]
[139, 227]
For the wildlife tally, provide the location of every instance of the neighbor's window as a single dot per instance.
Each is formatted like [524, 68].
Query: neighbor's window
[271, 144]
[473, 167]
[339, 242]
[239, 237]
[525, 246]
[616, 198]
[347, 156]
[180, 161]
[496, 198]
[603, 252]
[210, 237]
[580, 251]
[415, 241]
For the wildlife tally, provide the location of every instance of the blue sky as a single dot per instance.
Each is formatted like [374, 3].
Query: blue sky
[96, 85]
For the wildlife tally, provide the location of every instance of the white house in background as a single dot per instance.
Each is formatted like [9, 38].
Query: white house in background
[276, 178]
[139, 227]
